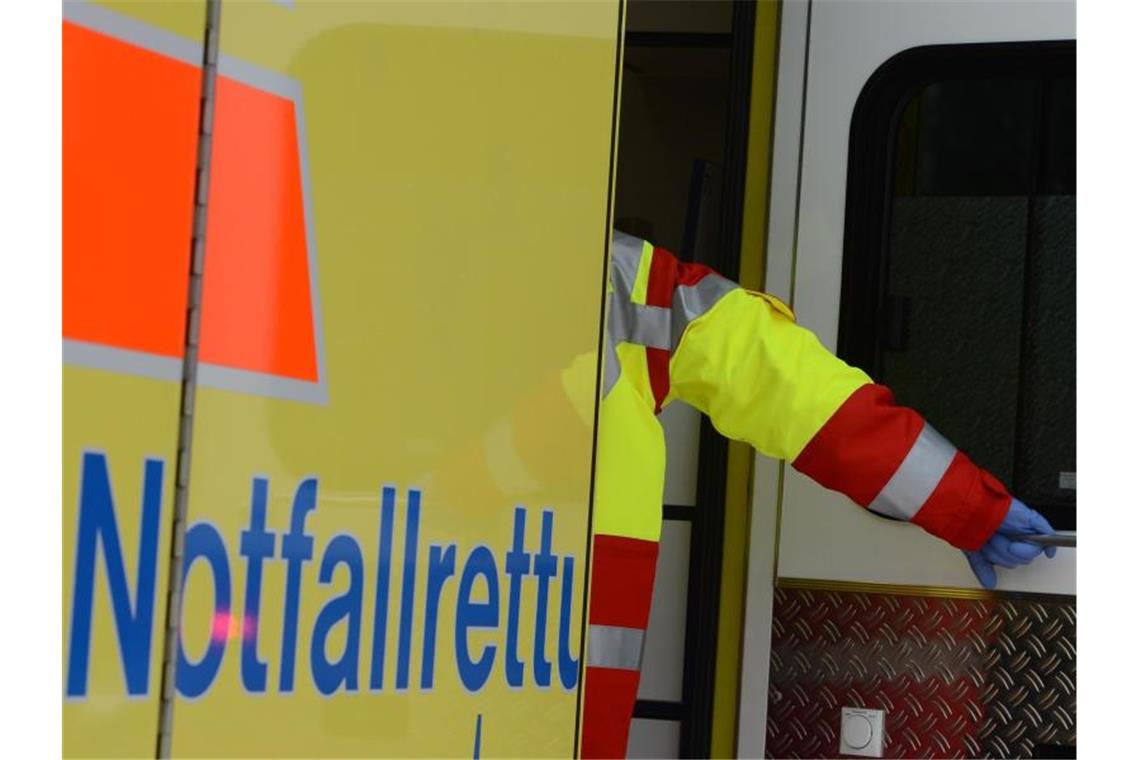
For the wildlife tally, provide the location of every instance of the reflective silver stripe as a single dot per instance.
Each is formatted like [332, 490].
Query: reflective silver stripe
[612, 646]
[124, 361]
[692, 301]
[917, 476]
[625, 260]
[612, 366]
[655, 326]
[644, 325]
[636, 323]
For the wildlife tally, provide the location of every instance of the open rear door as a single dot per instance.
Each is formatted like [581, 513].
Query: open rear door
[372, 443]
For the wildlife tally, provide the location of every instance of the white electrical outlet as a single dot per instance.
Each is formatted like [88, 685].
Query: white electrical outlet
[861, 732]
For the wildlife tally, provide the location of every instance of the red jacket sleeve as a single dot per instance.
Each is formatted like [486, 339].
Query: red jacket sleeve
[888, 459]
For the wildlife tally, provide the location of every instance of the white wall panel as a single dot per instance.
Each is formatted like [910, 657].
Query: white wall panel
[682, 425]
[654, 738]
[663, 666]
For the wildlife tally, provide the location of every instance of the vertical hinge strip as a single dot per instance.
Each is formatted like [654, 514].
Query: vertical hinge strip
[189, 378]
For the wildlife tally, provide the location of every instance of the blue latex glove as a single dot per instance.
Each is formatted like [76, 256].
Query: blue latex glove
[1002, 551]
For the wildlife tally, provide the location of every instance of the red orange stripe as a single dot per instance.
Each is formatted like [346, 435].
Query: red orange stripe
[130, 132]
[129, 156]
[624, 569]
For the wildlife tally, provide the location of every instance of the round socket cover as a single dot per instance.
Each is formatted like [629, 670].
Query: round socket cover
[857, 731]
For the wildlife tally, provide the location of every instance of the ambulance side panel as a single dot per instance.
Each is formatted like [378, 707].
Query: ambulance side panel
[131, 88]
[407, 230]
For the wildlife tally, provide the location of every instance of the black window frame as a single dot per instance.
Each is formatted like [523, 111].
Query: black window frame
[871, 174]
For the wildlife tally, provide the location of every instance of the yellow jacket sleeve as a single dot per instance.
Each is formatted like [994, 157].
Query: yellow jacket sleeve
[740, 358]
[759, 376]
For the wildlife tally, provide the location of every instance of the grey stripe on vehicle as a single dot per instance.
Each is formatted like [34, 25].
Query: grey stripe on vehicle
[78, 353]
[260, 77]
[616, 647]
[125, 28]
[262, 384]
[122, 361]
[917, 477]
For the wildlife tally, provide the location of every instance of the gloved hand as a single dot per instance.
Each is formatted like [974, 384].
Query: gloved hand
[1001, 550]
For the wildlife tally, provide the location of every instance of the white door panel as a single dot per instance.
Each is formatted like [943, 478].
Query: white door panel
[786, 150]
[823, 535]
[837, 45]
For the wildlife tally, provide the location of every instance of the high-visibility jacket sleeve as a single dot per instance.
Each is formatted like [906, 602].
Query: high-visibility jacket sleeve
[763, 379]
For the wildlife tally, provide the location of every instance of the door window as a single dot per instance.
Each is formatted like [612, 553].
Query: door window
[959, 286]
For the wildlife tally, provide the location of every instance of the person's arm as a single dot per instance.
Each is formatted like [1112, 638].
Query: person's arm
[740, 358]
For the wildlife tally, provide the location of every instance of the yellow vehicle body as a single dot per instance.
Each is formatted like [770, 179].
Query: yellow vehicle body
[406, 213]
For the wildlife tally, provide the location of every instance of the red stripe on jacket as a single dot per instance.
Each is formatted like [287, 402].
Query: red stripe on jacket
[967, 506]
[866, 440]
[666, 274]
[624, 569]
[858, 450]
[607, 711]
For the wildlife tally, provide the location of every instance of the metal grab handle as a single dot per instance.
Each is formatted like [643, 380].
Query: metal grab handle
[1066, 539]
